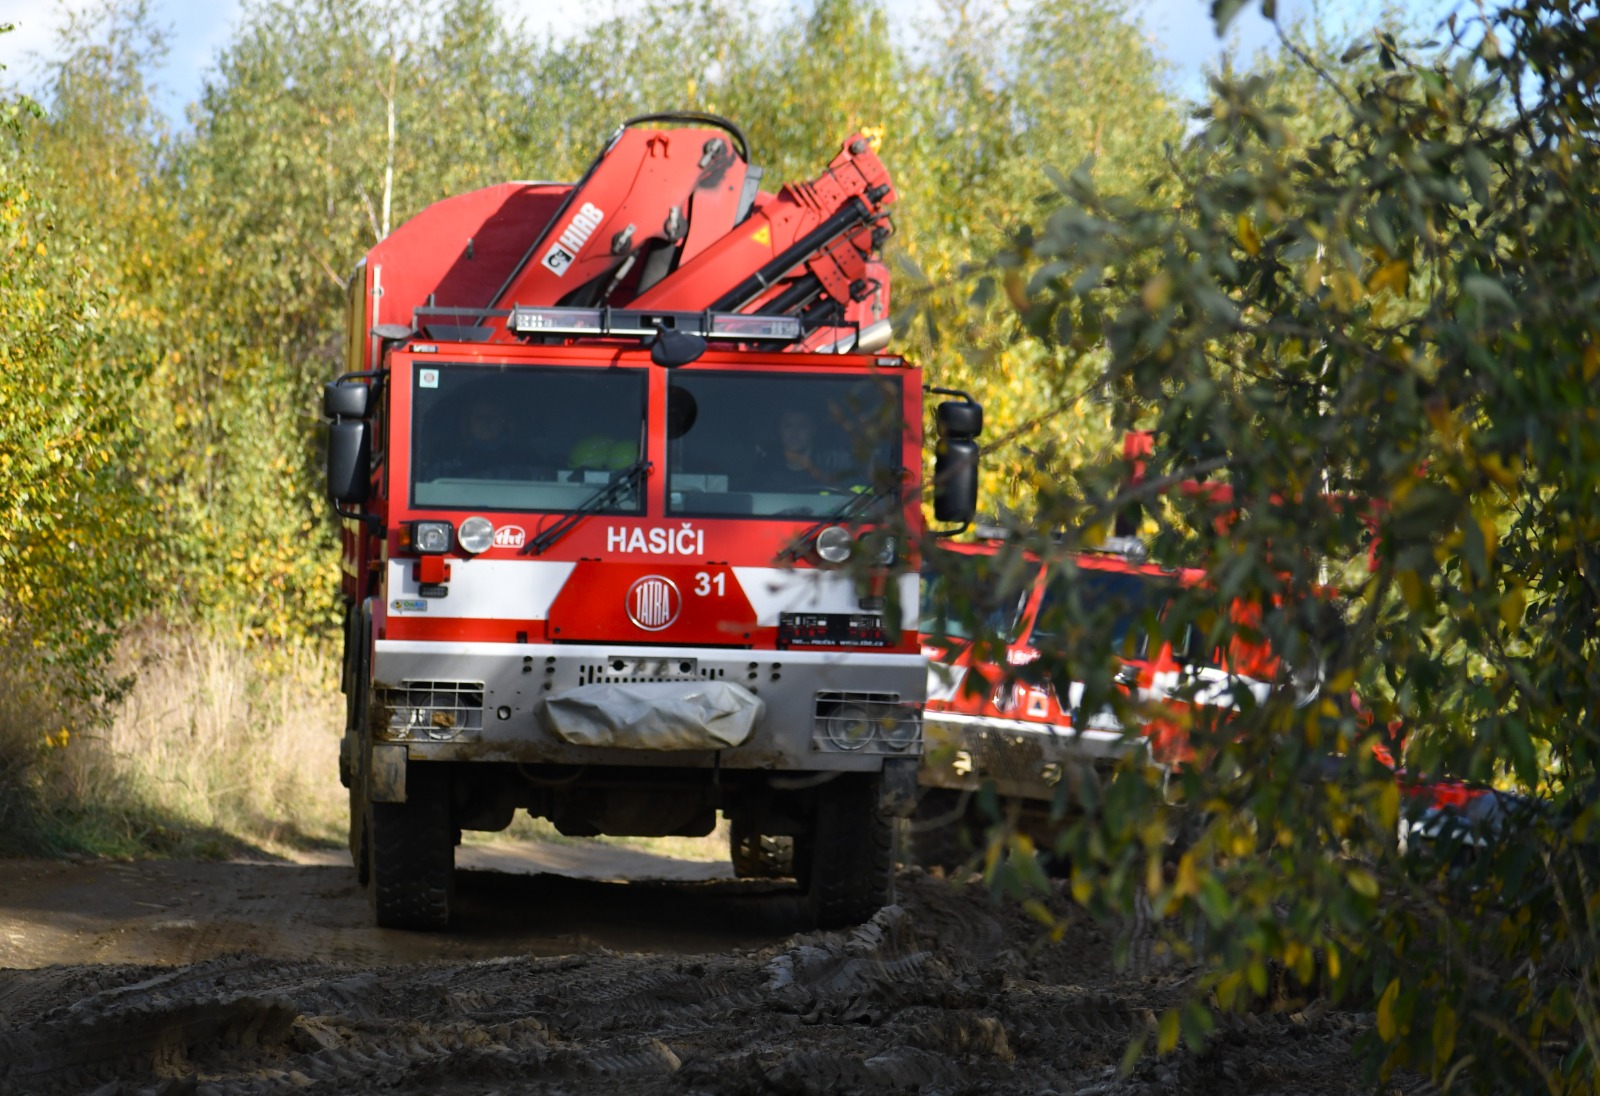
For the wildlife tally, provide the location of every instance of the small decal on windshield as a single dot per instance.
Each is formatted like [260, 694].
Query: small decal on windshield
[427, 378]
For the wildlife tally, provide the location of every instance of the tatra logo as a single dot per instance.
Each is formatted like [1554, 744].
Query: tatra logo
[653, 602]
[572, 238]
[509, 536]
[684, 541]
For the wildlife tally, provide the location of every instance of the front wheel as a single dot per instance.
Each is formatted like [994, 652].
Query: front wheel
[846, 860]
[412, 853]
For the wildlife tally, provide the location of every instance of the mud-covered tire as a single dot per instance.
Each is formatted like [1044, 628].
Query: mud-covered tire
[941, 830]
[360, 850]
[758, 855]
[412, 854]
[849, 854]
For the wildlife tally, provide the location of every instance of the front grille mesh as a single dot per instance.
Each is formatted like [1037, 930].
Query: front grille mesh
[896, 721]
[433, 709]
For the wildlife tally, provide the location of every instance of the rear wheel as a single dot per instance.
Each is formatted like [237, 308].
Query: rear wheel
[758, 855]
[846, 861]
[412, 853]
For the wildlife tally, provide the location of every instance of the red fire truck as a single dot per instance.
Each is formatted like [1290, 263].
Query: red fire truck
[630, 508]
[994, 719]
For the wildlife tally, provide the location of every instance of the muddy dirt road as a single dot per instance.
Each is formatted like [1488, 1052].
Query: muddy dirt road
[168, 977]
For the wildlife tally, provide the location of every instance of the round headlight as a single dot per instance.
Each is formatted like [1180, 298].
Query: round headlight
[475, 535]
[881, 546]
[899, 728]
[849, 726]
[833, 544]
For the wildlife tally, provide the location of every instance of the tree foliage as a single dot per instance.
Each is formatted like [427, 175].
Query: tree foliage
[1385, 320]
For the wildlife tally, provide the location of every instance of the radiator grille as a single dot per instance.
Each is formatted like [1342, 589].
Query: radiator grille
[433, 709]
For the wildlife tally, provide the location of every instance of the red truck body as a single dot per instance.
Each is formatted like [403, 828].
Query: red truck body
[591, 570]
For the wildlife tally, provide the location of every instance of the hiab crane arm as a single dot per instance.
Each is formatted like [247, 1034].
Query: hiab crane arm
[671, 220]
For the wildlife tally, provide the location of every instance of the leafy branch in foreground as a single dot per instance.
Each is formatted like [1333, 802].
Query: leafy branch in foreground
[1386, 322]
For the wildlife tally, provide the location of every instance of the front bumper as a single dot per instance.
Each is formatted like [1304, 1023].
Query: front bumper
[1021, 759]
[486, 702]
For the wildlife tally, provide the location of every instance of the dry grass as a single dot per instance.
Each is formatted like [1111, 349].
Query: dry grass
[221, 747]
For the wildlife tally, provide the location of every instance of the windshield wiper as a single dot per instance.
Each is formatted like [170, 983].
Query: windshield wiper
[621, 483]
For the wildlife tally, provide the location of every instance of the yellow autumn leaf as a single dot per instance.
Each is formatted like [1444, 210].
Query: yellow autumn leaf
[1410, 588]
[1167, 1036]
[1363, 882]
[1444, 1033]
[1386, 1020]
[1247, 235]
[1187, 881]
[1512, 604]
[1394, 275]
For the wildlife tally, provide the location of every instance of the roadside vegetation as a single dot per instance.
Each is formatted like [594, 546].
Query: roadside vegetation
[1357, 285]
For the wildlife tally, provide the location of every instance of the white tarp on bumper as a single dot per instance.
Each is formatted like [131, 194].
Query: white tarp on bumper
[658, 715]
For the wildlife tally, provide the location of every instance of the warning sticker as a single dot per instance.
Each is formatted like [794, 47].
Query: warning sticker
[763, 236]
[557, 259]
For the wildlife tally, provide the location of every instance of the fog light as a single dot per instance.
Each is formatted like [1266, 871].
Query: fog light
[833, 544]
[849, 726]
[430, 537]
[476, 535]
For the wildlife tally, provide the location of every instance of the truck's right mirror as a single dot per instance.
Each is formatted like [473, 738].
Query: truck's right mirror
[349, 459]
[955, 466]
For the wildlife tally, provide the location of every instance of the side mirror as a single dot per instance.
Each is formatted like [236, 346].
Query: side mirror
[955, 466]
[349, 460]
[346, 400]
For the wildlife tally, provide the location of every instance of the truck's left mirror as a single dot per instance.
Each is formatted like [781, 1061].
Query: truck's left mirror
[349, 460]
[345, 399]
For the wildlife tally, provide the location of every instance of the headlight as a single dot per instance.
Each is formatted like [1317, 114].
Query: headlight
[899, 728]
[476, 535]
[880, 546]
[849, 726]
[430, 537]
[833, 544]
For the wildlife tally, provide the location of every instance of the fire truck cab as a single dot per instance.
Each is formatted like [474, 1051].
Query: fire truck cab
[626, 567]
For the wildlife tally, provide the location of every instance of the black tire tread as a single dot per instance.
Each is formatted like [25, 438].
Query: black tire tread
[852, 854]
[412, 874]
[758, 855]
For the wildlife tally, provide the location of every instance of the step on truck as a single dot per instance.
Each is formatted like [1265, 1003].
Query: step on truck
[630, 501]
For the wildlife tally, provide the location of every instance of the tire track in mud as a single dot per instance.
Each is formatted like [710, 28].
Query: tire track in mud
[947, 992]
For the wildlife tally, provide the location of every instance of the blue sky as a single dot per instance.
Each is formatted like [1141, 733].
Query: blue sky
[1180, 29]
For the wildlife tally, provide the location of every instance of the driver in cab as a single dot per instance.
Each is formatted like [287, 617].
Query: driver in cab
[798, 466]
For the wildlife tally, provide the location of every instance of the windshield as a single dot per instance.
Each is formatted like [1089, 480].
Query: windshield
[1123, 606]
[780, 446]
[539, 438]
[993, 598]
